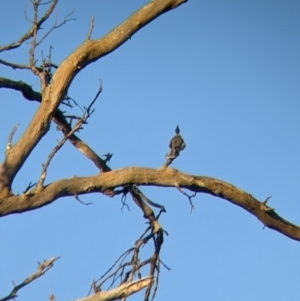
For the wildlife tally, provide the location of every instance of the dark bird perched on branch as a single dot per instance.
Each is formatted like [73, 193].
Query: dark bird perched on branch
[176, 145]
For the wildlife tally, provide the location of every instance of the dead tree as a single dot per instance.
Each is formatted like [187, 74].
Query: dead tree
[54, 83]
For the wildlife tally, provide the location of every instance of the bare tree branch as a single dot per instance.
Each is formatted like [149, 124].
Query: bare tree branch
[33, 41]
[86, 53]
[52, 297]
[125, 272]
[42, 269]
[163, 177]
[10, 137]
[188, 196]
[55, 26]
[90, 29]
[124, 290]
[59, 119]
[54, 92]
[14, 65]
[26, 90]
[87, 113]
[147, 211]
[30, 33]
[214, 187]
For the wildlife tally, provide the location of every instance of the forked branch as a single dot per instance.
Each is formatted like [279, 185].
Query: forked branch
[163, 177]
[127, 271]
[87, 113]
[87, 53]
[42, 269]
[32, 30]
[55, 26]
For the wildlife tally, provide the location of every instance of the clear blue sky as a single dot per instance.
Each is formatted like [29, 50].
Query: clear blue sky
[228, 73]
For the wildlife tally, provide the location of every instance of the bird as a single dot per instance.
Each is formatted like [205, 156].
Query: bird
[176, 145]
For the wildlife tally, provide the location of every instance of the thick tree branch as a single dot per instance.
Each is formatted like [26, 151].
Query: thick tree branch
[58, 118]
[86, 53]
[164, 177]
[217, 188]
[92, 50]
[26, 90]
[123, 290]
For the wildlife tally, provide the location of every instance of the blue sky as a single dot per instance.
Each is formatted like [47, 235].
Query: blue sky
[228, 73]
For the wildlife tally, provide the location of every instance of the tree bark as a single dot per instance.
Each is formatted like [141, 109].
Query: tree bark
[163, 177]
[87, 53]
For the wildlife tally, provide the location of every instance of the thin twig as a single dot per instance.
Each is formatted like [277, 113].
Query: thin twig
[35, 29]
[90, 29]
[156, 280]
[42, 269]
[10, 137]
[54, 151]
[134, 266]
[55, 26]
[188, 196]
[123, 201]
[32, 30]
[165, 266]
[52, 297]
[14, 65]
[81, 202]
[266, 200]
[88, 109]
[88, 112]
[30, 185]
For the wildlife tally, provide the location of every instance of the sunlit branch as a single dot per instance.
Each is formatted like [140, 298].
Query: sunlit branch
[164, 177]
[42, 269]
[87, 114]
[10, 137]
[31, 31]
